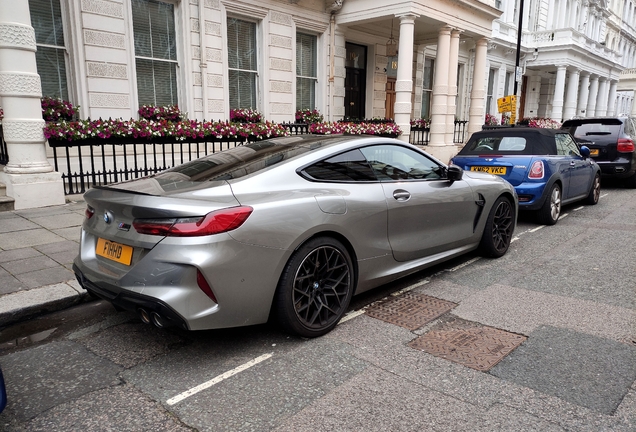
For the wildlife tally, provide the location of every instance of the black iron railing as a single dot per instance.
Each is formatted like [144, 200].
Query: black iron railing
[4, 154]
[460, 131]
[87, 163]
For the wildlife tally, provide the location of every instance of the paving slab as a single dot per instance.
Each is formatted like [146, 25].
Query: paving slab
[522, 311]
[26, 265]
[586, 370]
[35, 388]
[120, 408]
[18, 254]
[21, 239]
[17, 224]
[47, 276]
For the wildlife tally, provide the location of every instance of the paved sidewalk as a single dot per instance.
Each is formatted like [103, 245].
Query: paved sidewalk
[37, 248]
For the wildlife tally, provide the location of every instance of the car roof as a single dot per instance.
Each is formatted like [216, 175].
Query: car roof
[541, 140]
[605, 120]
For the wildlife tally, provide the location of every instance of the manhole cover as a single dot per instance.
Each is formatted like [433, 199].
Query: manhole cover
[410, 310]
[467, 343]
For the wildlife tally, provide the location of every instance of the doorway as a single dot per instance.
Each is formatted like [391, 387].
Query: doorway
[389, 102]
[355, 81]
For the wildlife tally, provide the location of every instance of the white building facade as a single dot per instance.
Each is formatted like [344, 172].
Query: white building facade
[453, 59]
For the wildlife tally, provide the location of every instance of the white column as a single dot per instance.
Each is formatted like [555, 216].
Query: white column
[478, 92]
[440, 89]
[559, 88]
[611, 99]
[561, 14]
[28, 176]
[591, 99]
[569, 109]
[584, 89]
[452, 86]
[601, 99]
[404, 81]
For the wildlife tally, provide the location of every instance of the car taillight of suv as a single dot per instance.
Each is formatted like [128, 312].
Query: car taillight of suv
[625, 145]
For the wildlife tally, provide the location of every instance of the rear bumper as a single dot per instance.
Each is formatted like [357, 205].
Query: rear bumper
[131, 301]
[620, 168]
[531, 195]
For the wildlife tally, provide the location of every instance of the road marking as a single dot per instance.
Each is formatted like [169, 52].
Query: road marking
[464, 264]
[537, 228]
[579, 208]
[410, 287]
[563, 216]
[218, 379]
[351, 315]
[604, 195]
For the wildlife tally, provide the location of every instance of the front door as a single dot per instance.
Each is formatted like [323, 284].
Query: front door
[389, 102]
[355, 81]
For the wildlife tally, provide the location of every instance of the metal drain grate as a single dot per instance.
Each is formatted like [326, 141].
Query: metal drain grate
[410, 310]
[467, 343]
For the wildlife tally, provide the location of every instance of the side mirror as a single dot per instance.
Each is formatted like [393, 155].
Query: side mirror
[454, 173]
[585, 151]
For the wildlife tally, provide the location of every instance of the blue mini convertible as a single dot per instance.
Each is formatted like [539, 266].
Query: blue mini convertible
[546, 167]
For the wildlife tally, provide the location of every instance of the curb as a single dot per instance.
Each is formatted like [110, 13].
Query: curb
[22, 305]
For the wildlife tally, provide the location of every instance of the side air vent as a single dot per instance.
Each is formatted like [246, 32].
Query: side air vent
[481, 203]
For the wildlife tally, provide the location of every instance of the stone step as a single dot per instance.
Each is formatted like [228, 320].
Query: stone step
[6, 203]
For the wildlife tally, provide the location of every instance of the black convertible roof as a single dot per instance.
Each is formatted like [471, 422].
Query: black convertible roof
[540, 141]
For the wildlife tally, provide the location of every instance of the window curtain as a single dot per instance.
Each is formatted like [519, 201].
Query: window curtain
[155, 52]
[46, 19]
[306, 71]
[242, 62]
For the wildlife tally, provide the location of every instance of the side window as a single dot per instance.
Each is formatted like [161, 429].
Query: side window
[393, 162]
[566, 145]
[243, 64]
[46, 18]
[155, 52]
[348, 167]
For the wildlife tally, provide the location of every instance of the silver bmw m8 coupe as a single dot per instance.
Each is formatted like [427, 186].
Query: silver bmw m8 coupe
[287, 228]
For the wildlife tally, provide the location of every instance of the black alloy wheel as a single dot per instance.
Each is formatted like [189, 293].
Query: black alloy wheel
[316, 288]
[499, 228]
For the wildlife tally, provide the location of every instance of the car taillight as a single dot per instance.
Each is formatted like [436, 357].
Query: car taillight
[536, 170]
[89, 212]
[213, 223]
[205, 286]
[625, 145]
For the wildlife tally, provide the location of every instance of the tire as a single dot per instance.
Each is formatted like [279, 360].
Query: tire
[595, 191]
[497, 234]
[315, 289]
[551, 210]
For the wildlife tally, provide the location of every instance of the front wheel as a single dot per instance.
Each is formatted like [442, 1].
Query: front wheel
[315, 288]
[497, 235]
[551, 209]
[595, 192]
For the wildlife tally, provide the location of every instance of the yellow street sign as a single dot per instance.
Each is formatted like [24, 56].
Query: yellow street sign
[507, 104]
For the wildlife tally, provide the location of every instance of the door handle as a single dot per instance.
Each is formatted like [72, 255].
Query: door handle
[401, 195]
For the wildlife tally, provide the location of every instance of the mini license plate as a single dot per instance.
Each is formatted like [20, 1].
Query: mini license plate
[490, 169]
[114, 251]
[593, 152]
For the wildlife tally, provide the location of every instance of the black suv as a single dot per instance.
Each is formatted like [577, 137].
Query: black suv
[611, 144]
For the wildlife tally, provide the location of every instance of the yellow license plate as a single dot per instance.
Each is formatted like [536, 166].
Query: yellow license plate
[593, 152]
[490, 169]
[114, 251]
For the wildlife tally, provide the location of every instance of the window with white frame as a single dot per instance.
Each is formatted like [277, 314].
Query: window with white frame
[427, 88]
[155, 52]
[242, 63]
[46, 19]
[491, 87]
[306, 71]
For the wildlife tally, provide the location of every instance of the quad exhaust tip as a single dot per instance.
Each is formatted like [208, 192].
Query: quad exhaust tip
[157, 320]
[144, 315]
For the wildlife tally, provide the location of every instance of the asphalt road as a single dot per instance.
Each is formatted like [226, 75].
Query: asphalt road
[567, 292]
